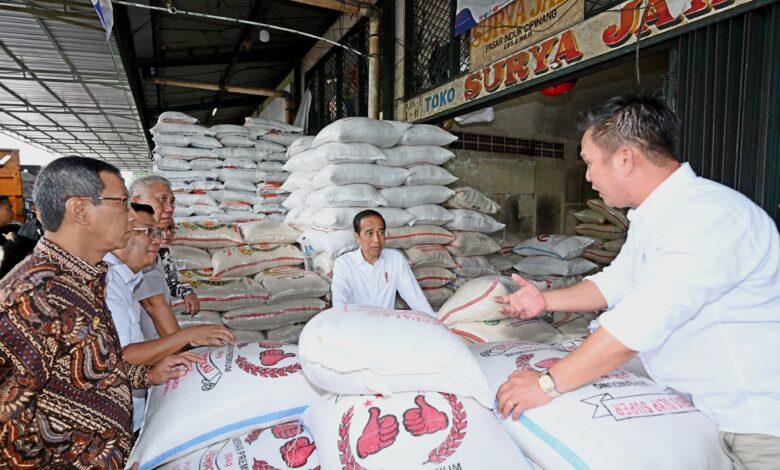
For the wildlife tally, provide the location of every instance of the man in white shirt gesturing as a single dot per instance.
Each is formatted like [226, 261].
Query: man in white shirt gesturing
[695, 290]
[371, 275]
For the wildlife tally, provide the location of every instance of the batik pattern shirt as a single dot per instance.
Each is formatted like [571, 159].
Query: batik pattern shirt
[65, 390]
[178, 289]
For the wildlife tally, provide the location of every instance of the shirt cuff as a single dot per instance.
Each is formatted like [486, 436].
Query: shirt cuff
[625, 329]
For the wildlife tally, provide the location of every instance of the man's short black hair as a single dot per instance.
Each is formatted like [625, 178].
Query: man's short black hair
[145, 208]
[362, 215]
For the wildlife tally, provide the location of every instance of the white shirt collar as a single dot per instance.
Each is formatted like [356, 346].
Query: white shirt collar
[663, 196]
[357, 256]
[122, 270]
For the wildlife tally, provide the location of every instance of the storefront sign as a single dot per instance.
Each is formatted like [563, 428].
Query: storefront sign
[609, 31]
[519, 24]
[471, 12]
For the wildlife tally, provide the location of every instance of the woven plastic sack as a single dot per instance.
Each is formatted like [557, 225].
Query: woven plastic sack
[470, 220]
[409, 196]
[422, 256]
[253, 176]
[570, 324]
[473, 266]
[270, 316]
[233, 140]
[240, 186]
[270, 167]
[589, 216]
[223, 130]
[469, 198]
[225, 196]
[272, 124]
[205, 142]
[267, 187]
[553, 282]
[335, 242]
[270, 147]
[410, 431]
[202, 187]
[432, 277]
[190, 258]
[351, 195]
[426, 134]
[323, 265]
[208, 235]
[472, 244]
[238, 388]
[598, 425]
[240, 163]
[500, 262]
[183, 153]
[429, 174]
[411, 155]
[353, 349]
[549, 266]
[508, 329]
[615, 216]
[298, 180]
[203, 317]
[474, 301]
[289, 282]
[251, 259]
[437, 296]
[383, 134]
[224, 295]
[240, 153]
[172, 140]
[176, 117]
[281, 138]
[266, 231]
[173, 164]
[557, 246]
[205, 163]
[276, 177]
[266, 208]
[182, 211]
[287, 333]
[239, 217]
[180, 129]
[332, 154]
[603, 231]
[351, 173]
[248, 335]
[299, 145]
[430, 214]
[341, 217]
[599, 256]
[406, 237]
[615, 245]
[286, 446]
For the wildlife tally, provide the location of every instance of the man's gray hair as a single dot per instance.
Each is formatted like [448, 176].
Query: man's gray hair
[65, 178]
[145, 182]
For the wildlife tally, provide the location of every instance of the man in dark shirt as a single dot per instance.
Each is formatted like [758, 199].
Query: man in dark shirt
[65, 390]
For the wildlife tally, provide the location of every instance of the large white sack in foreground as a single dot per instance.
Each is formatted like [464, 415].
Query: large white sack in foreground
[619, 421]
[383, 134]
[416, 430]
[357, 349]
[285, 446]
[238, 388]
[474, 301]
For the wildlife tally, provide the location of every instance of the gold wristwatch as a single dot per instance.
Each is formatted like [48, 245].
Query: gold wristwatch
[547, 384]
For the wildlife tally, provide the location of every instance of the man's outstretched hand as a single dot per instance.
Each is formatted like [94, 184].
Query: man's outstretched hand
[527, 302]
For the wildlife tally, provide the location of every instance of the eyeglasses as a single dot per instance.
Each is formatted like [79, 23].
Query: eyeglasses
[171, 230]
[153, 233]
[123, 199]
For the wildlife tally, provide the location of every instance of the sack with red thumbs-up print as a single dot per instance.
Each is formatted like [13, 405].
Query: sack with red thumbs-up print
[285, 446]
[410, 430]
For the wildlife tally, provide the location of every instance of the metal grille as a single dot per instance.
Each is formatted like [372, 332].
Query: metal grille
[432, 54]
[510, 145]
[338, 83]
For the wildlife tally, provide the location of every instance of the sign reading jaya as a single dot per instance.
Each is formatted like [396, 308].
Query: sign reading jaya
[519, 24]
[609, 31]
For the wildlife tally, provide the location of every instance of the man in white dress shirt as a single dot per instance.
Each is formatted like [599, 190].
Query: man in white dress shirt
[372, 275]
[695, 290]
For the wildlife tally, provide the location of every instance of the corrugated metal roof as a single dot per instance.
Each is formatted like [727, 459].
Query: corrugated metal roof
[64, 88]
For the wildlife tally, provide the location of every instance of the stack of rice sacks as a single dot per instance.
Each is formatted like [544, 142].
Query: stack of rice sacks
[606, 226]
[392, 167]
[248, 277]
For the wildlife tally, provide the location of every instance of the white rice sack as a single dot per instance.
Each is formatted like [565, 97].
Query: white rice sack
[598, 425]
[269, 147]
[333, 154]
[421, 256]
[180, 129]
[470, 198]
[228, 206]
[203, 187]
[437, 296]
[508, 329]
[239, 217]
[289, 282]
[192, 199]
[414, 430]
[270, 316]
[405, 237]
[266, 231]
[335, 242]
[183, 153]
[432, 277]
[354, 349]
[205, 209]
[194, 275]
[341, 217]
[173, 164]
[299, 145]
[286, 446]
[267, 187]
[286, 333]
[187, 175]
[194, 219]
[409, 196]
[248, 335]
[411, 155]
[506, 241]
[227, 196]
[470, 220]
[472, 244]
[205, 142]
[474, 301]
[223, 130]
[429, 174]
[224, 295]
[172, 140]
[208, 235]
[383, 134]
[240, 387]
[189, 258]
[240, 186]
[203, 317]
[350, 173]
[356, 195]
[276, 177]
[272, 124]
[298, 180]
[280, 157]
[237, 141]
[253, 176]
[239, 153]
[500, 262]
[205, 163]
[426, 134]
[549, 266]
[182, 211]
[571, 324]
[270, 167]
[251, 259]
[176, 117]
[473, 266]
[430, 214]
[281, 138]
[239, 163]
[323, 265]
[179, 187]
[276, 199]
[297, 199]
[558, 246]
